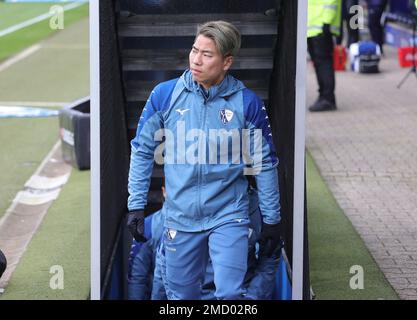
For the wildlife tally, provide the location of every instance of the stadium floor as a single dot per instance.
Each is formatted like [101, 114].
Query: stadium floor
[57, 71]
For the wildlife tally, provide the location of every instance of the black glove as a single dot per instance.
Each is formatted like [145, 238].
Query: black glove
[269, 239]
[326, 28]
[136, 224]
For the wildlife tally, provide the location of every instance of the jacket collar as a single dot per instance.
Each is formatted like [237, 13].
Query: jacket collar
[226, 88]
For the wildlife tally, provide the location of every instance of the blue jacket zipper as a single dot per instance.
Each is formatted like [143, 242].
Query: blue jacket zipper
[200, 166]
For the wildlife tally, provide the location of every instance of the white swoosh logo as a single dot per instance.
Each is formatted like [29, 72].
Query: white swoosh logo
[182, 111]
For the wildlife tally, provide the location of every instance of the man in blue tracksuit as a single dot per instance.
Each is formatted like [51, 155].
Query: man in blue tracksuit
[214, 131]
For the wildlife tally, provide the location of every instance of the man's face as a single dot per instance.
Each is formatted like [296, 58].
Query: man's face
[207, 64]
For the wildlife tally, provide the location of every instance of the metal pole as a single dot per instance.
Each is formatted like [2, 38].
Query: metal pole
[95, 148]
[299, 153]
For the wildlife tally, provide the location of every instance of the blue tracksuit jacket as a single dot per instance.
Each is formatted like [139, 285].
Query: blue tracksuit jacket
[205, 184]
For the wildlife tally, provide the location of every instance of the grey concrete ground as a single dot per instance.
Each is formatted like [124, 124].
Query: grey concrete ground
[367, 153]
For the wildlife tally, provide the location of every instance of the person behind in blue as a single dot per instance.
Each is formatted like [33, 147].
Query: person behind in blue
[206, 208]
[142, 256]
[146, 275]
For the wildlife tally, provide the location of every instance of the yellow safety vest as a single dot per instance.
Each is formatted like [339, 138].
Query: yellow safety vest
[322, 12]
[415, 3]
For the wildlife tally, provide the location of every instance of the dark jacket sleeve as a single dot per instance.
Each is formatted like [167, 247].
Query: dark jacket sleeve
[140, 275]
[264, 157]
[262, 285]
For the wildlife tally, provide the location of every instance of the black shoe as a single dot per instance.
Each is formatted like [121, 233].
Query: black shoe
[322, 105]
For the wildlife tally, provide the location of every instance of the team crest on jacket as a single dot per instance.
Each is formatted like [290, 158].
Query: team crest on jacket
[171, 234]
[226, 115]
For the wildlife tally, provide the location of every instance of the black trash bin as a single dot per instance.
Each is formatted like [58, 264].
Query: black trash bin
[74, 123]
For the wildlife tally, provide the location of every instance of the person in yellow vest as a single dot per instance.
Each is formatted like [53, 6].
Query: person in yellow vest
[324, 18]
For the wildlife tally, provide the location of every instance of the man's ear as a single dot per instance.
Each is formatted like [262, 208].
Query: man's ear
[227, 63]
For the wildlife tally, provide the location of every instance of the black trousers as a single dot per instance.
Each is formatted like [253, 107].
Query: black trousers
[374, 22]
[352, 34]
[320, 49]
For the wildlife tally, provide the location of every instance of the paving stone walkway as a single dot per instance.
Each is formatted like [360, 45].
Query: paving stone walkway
[367, 153]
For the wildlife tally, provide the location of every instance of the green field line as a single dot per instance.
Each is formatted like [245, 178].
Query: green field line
[17, 41]
[24, 144]
[59, 71]
[62, 240]
[14, 13]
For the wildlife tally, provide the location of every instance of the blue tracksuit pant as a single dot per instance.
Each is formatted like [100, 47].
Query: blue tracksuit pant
[187, 253]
